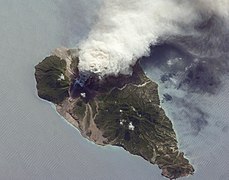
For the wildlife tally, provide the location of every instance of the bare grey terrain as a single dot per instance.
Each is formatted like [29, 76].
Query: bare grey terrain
[36, 143]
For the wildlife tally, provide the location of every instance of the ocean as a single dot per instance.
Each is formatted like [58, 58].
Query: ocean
[36, 143]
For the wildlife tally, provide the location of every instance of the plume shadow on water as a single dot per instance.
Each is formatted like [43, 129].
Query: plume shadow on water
[179, 71]
[192, 114]
[191, 73]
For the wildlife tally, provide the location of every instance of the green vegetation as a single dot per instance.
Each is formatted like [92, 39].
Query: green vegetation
[152, 137]
[79, 108]
[50, 85]
[92, 103]
[126, 105]
[126, 109]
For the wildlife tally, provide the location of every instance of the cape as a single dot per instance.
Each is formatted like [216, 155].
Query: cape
[121, 110]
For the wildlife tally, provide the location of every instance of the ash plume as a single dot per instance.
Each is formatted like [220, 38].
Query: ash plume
[126, 30]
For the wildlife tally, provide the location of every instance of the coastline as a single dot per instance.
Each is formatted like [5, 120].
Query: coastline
[167, 108]
[136, 100]
[96, 138]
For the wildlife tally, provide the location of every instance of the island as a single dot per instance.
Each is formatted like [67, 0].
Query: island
[121, 110]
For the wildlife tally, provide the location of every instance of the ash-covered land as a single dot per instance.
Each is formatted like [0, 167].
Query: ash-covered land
[121, 110]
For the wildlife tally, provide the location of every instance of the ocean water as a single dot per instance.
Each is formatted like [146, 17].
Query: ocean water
[36, 143]
[200, 119]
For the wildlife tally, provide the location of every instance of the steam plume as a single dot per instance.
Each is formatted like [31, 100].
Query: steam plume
[127, 28]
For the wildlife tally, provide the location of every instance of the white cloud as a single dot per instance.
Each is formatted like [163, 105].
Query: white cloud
[126, 29]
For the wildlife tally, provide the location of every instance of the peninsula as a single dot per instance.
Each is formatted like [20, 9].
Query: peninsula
[119, 110]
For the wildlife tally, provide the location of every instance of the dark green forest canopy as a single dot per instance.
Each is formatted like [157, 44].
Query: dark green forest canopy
[49, 85]
[126, 108]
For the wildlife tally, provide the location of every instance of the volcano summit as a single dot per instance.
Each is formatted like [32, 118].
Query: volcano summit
[121, 110]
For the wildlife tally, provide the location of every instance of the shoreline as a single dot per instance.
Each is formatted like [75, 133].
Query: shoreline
[108, 146]
[169, 115]
[108, 131]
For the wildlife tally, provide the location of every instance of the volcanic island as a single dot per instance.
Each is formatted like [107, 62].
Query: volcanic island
[121, 110]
